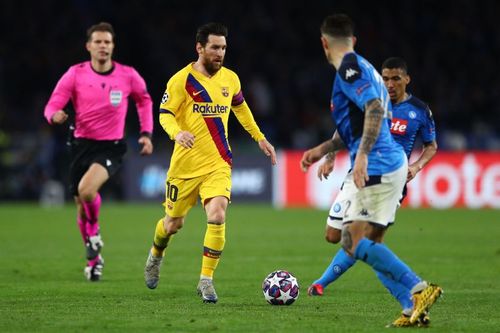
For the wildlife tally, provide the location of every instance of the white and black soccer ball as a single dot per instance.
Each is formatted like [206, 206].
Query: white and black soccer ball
[280, 288]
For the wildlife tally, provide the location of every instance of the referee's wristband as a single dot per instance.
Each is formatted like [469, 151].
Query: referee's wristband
[146, 134]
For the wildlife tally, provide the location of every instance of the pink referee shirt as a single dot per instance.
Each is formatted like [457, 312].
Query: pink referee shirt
[101, 100]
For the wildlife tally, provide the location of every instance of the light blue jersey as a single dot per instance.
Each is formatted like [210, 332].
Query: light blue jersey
[412, 118]
[356, 83]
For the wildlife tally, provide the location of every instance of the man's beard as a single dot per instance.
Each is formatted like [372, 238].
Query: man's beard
[212, 67]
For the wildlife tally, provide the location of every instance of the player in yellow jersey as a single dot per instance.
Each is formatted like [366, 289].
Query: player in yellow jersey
[194, 112]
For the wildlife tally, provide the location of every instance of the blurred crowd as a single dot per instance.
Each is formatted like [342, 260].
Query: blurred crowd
[451, 48]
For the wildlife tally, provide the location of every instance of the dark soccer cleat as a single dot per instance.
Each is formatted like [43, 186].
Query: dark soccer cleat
[207, 291]
[94, 273]
[424, 320]
[152, 271]
[93, 246]
[423, 300]
[315, 290]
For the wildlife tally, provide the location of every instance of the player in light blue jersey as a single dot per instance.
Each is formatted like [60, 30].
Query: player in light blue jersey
[372, 189]
[411, 118]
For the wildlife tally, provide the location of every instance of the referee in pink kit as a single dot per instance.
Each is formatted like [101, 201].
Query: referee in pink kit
[99, 90]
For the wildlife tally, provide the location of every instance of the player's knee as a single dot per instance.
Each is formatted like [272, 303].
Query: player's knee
[376, 238]
[217, 216]
[333, 236]
[215, 209]
[172, 228]
[86, 193]
[375, 233]
[346, 241]
[173, 225]
[345, 245]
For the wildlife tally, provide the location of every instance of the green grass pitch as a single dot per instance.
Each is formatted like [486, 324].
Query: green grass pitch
[42, 287]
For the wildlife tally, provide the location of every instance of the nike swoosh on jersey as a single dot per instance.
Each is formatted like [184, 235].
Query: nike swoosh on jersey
[198, 92]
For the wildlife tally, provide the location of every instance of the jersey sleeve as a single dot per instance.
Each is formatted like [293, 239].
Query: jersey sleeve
[140, 95]
[61, 95]
[169, 124]
[356, 83]
[428, 129]
[174, 95]
[243, 113]
[172, 99]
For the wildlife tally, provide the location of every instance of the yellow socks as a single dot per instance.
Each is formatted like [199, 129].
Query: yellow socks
[212, 245]
[161, 240]
[215, 237]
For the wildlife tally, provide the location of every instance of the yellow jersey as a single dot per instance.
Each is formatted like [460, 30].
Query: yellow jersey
[201, 105]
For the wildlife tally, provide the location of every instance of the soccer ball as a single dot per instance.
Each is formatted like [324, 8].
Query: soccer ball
[280, 288]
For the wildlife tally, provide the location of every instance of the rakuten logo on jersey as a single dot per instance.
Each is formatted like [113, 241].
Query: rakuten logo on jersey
[209, 108]
[398, 126]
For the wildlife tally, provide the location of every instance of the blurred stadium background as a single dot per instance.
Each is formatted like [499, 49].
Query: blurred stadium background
[451, 47]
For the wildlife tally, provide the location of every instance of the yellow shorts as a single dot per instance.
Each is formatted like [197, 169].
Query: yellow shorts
[181, 194]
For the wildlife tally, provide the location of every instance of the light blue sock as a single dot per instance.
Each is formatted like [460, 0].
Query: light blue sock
[382, 259]
[340, 264]
[399, 291]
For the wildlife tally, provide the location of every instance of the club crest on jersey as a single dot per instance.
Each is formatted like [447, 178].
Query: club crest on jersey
[225, 91]
[398, 126]
[412, 114]
[164, 99]
[115, 97]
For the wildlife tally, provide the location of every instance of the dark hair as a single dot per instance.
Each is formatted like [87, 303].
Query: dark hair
[338, 25]
[101, 26]
[212, 28]
[395, 62]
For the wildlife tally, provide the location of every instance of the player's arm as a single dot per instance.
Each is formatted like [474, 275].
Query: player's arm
[144, 107]
[360, 89]
[335, 145]
[171, 102]
[427, 134]
[169, 124]
[429, 149]
[246, 119]
[61, 95]
[374, 114]
[326, 168]
[328, 148]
